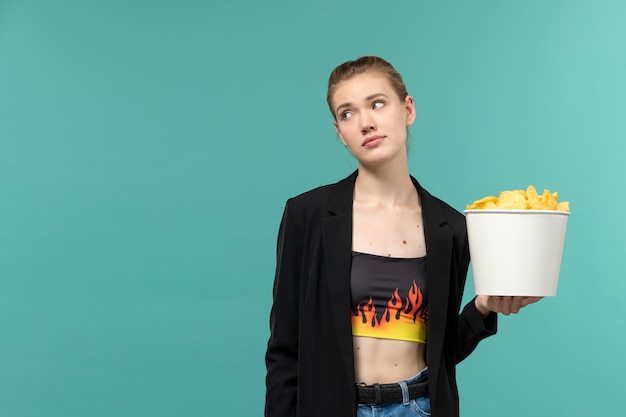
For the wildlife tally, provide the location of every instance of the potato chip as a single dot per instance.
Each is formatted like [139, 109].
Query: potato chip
[532, 197]
[485, 202]
[527, 199]
[512, 200]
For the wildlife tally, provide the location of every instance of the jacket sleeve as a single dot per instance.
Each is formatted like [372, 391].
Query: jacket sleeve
[471, 328]
[281, 358]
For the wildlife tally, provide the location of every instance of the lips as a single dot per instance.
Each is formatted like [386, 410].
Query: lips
[372, 140]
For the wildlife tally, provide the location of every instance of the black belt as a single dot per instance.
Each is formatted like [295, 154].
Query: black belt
[390, 393]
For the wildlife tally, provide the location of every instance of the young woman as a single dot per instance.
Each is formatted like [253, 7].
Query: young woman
[370, 275]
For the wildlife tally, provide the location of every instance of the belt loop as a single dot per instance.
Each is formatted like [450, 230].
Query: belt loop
[405, 393]
[378, 398]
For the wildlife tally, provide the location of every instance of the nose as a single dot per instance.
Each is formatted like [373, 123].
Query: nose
[367, 123]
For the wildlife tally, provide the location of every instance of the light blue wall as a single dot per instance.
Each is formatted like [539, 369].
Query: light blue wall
[147, 149]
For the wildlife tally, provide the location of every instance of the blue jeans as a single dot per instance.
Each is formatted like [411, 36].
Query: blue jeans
[408, 408]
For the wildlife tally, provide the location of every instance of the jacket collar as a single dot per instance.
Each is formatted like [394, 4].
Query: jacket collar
[341, 195]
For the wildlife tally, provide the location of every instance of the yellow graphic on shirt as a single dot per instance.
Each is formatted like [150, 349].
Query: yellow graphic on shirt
[399, 321]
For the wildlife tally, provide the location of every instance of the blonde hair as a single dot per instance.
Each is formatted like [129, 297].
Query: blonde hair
[364, 65]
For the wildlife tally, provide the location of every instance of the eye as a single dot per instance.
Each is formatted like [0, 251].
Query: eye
[378, 104]
[346, 115]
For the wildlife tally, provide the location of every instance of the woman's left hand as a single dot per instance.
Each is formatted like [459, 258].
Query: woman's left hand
[502, 304]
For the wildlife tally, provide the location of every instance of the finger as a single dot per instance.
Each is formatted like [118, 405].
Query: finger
[495, 303]
[506, 305]
[529, 300]
[516, 304]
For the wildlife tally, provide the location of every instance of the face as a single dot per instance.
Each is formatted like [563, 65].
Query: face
[370, 118]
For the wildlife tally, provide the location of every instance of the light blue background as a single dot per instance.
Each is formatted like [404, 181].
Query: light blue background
[147, 149]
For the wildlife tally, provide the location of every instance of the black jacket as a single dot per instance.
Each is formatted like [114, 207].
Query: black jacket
[310, 363]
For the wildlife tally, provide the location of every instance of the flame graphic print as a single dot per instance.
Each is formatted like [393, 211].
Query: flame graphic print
[400, 320]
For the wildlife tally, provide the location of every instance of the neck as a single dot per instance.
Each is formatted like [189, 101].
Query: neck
[388, 184]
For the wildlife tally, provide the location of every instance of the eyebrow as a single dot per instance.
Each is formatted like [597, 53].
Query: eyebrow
[368, 98]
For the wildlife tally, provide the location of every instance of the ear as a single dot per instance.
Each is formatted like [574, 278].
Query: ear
[409, 106]
[339, 134]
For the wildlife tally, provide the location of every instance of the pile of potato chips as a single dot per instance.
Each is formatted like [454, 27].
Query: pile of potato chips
[521, 200]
